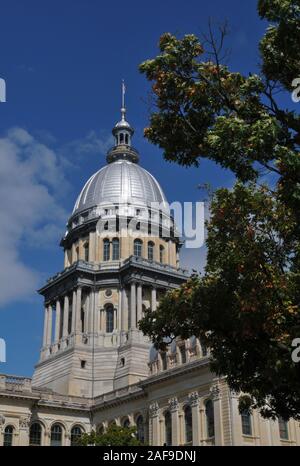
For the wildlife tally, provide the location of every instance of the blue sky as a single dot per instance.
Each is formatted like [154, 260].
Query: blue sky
[63, 62]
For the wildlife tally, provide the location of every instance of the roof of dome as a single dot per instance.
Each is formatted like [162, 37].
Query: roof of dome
[120, 182]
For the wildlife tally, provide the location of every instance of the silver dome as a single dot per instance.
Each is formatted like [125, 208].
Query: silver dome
[120, 182]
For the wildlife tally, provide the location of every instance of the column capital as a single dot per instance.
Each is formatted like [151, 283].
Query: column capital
[173, 404]
[194, 398]
[154, 409]
[215, 392]
[24, 422]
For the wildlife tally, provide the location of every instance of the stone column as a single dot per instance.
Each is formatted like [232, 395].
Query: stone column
[154, 424]
[102, 320]
[49, 325]
[203, 428]
[57, 321]
[215, 391]
[153, 299]
[194, 402]
[115, 319]
[87, 320]
[133, 306]
[24, 424]
[45, 326]
[120, 310]
[173, 404]
[236, 424]
[124, 311]
[91, 311]
[96, 311]
[66, 316]
[78, 310]
[92, 248]
[73, 311]
[139, 302]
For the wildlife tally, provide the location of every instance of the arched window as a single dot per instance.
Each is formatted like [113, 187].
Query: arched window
[210, 423]
[121, 138]
[115, 249]
[150, 251]
[35, 434]
[126, 138]
[76, 433]
[168, 429]
[246, 423]
[86, 251]
[126, 423]
[137, 248]
[283, 429]
[77, 253]
[106, 250]
[109, 318]
[8, 436]
[56, 436]
[161, 254]
[140, 429]
[188, 424]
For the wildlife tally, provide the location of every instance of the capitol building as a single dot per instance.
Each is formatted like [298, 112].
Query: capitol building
[95, 366]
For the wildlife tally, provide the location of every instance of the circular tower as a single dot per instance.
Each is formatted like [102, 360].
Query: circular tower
[121, 255]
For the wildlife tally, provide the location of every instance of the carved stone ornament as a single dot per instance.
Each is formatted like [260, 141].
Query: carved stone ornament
[173, 404]
[194, 398]
[24, 422]
[215, 392]
[153, 409]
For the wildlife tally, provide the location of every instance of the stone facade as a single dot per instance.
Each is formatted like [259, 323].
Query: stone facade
[95, 366]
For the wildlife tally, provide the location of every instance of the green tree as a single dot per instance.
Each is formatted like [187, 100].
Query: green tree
[246, 305]
[113, 436]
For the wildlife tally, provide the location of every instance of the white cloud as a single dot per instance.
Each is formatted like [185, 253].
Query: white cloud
[31, 179]
[92, 143]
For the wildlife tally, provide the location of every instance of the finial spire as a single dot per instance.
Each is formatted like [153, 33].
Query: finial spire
[123, 133]
[123, 108]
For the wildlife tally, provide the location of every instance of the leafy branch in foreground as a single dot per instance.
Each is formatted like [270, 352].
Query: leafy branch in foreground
[246, 306]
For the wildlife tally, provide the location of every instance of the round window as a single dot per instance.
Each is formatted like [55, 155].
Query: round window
[108, 293]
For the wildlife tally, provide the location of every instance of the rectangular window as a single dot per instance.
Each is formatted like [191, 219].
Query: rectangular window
[106, 250]
[246, 423]
[116, 250]
[283, 429]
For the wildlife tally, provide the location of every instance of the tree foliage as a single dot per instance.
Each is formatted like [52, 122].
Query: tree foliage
[113, 436]
[246, 305]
